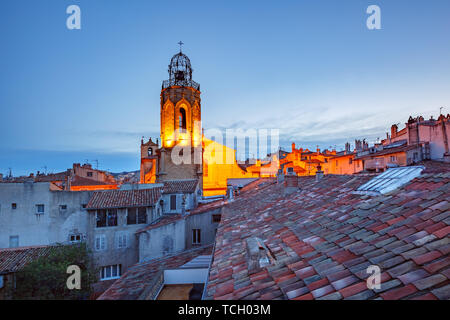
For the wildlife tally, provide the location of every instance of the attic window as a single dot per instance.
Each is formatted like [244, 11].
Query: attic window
[390, 180]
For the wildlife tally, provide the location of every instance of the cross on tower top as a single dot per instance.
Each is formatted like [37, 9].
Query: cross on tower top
[180, 43]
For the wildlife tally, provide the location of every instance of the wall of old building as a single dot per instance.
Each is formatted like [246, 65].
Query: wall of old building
[204, 222]
[191, 202]
[53, 226]
[98, 175]
[342, 165]
[176, 236]
[112, 254]
[436, 136]
[162, 240]
[219, 165]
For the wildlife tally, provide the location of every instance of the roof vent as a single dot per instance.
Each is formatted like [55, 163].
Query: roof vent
[390, 180]
[258, 255]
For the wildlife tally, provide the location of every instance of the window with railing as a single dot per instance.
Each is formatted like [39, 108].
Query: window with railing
[106, 218]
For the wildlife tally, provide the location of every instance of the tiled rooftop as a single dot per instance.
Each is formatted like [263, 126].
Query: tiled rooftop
[324, 237]
[139, 277]
[81, 181]
[124, 198]
[15, 259]
[180, 186]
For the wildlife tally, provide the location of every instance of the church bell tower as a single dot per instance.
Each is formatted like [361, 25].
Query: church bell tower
[180, 119]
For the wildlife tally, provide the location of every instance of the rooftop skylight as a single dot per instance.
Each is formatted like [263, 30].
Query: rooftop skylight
[390, 180]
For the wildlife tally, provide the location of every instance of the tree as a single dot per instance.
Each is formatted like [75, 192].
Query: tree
[46, 277]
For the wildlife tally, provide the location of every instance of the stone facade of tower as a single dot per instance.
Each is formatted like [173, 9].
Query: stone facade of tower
[180, 116]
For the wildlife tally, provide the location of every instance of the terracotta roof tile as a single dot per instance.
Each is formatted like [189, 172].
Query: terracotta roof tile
[328, 236]
[15, 259]
[124, 198]
[180, 186]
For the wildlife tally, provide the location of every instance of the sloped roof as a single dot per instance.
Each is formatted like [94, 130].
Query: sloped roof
[137, 278]
[51, 177]
[240, 182]
[82, 181]
[324, 237]
[124, 198]
[388, 151]
[183, 186]
[15, 259]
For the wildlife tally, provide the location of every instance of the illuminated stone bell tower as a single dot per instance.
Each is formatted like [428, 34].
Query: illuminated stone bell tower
[180, 120]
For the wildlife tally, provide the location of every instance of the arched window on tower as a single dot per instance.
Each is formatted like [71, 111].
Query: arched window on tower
[182, 120]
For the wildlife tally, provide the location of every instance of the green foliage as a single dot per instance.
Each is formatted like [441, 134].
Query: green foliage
[46, 277]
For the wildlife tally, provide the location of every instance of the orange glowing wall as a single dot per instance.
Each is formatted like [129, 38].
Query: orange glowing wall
[148, 171]
[94, 188]
[216, 168]
[342, 165]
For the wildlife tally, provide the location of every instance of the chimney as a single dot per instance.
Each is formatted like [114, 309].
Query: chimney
[347, 147]
[319, 173]
[394, 129]
[280, 174]
[230, 193]
[290, 182]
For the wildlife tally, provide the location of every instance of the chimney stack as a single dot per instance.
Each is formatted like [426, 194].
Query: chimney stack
[347, 147]
[319, 173]
[290, 182]
[230, 193]
[394, 129]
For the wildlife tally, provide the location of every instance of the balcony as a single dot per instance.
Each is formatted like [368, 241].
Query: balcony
[182, 83]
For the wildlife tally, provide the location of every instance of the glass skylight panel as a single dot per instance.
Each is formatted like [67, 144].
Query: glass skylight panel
[391, 179]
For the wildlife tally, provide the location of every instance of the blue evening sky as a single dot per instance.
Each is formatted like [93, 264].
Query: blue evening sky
[310, 68]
